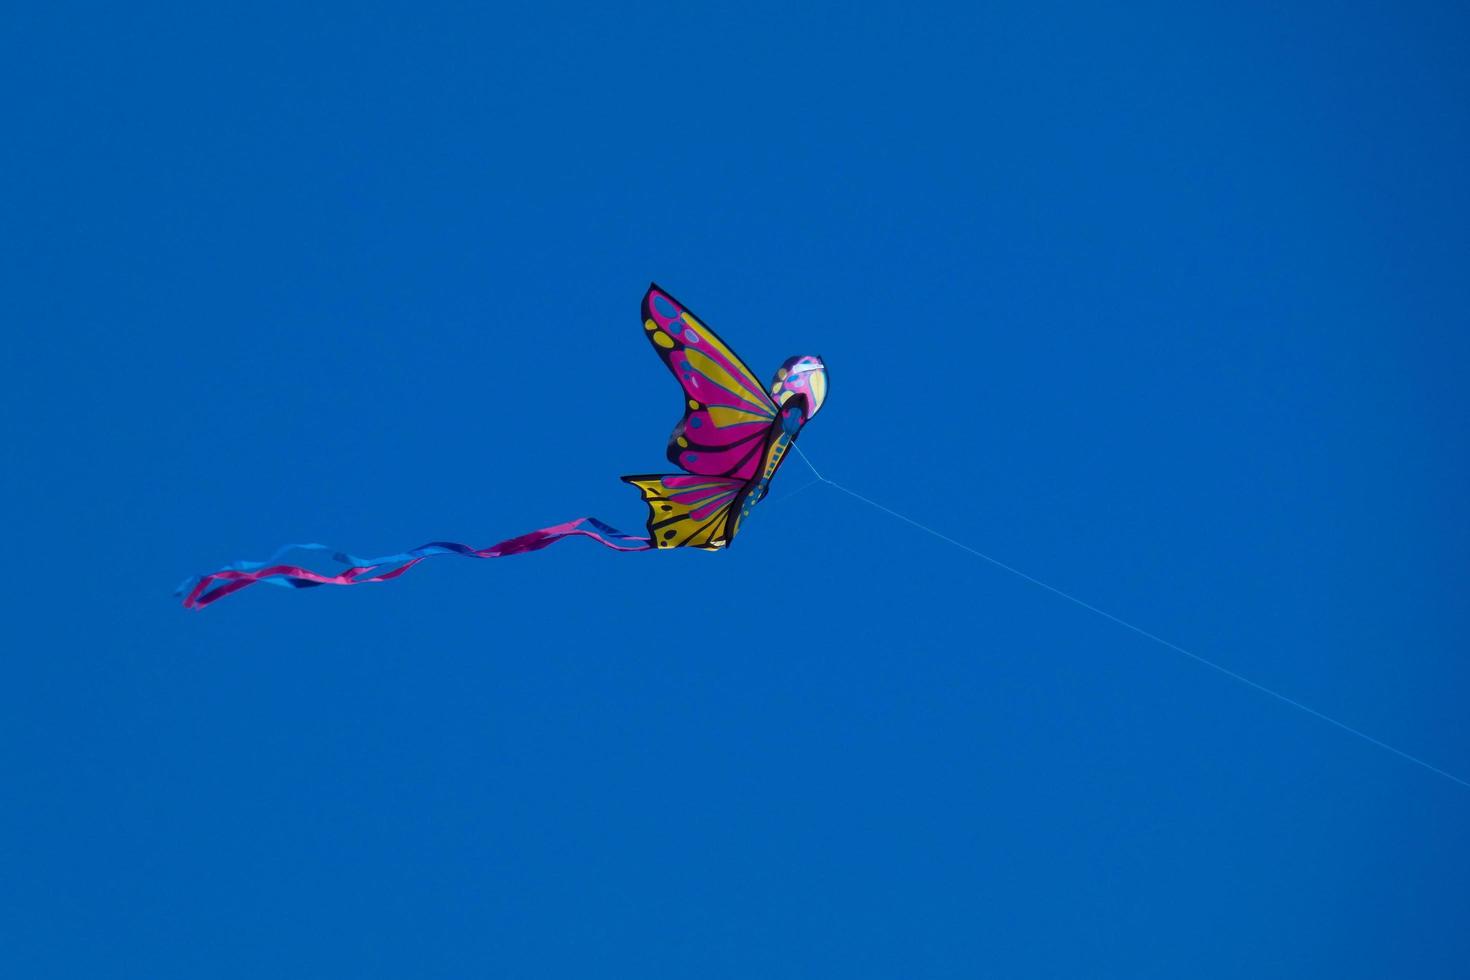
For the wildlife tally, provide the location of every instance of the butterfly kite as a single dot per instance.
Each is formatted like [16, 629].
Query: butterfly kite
[730, 443]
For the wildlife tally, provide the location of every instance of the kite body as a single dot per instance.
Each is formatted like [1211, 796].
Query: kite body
[730, 443]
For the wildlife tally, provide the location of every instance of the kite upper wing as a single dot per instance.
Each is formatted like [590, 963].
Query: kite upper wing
[727, 412]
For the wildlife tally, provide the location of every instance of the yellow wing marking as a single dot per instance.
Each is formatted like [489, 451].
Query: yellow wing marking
[722, 416]
[711, 369]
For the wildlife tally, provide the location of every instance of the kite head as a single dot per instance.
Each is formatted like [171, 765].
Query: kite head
[805, 376]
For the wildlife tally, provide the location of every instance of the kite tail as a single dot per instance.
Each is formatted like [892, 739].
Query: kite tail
[201, 590]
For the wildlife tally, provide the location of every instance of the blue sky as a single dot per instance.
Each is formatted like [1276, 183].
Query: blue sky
[1165, 307]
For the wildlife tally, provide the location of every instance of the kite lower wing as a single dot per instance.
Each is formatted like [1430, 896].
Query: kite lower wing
[200, 591]
[689, 511]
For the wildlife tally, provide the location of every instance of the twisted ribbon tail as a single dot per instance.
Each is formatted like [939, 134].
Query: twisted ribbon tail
[200, 591]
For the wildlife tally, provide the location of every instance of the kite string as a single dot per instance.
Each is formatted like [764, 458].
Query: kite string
[1129, 626]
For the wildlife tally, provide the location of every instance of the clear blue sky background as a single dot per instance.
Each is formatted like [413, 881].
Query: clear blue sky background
[1167, 308]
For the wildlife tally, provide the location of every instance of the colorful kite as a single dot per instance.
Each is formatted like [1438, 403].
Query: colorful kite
[729, 444]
